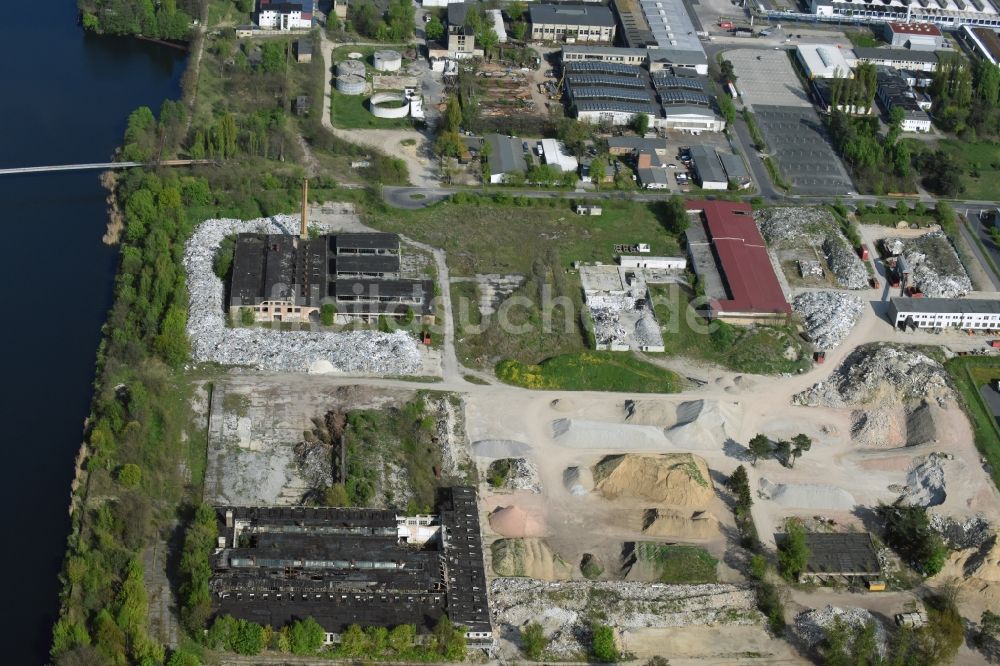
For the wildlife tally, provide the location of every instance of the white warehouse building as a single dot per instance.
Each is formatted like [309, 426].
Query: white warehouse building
[665, 263]
[963, 313]
[823, 61]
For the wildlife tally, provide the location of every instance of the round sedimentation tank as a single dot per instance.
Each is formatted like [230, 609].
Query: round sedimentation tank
[350, 84]
[389, 105]
[387, 61]
[351, 68]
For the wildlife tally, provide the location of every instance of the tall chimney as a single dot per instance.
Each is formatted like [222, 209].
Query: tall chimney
[304, 226]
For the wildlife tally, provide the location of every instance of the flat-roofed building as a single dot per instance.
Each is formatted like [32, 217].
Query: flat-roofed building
[841, 557]
[574, 53]
[571, 22]
[915, 36]
[943, 13]
[708, 169]
[823, 61]
[963, 313]
[923, 61]
[505, 158]
[984, 42]
[895, 93]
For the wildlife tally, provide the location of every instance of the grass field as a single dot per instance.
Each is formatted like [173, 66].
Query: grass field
[863, 38]
[679, 564]
[351, 112]
[591, 371]
[970, 373]
[757, 349]
[980, 162]
[492, 237]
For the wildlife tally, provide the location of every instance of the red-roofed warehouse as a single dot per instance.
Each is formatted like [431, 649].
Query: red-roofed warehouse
[729, 255]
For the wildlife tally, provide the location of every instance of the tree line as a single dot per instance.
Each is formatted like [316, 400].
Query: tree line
[163, 19]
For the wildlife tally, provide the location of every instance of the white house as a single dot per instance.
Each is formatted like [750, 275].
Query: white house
[285, 14]
[964, 313]
[666, 263]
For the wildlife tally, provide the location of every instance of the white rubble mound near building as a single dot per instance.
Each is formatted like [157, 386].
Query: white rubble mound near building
[564, 608]
[877, 373]
[807, 495]
[936, 267]
[829, 316]
[362, 352]
[811, 625]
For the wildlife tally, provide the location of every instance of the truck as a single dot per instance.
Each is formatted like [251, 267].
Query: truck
[819, 357]
[863, 253]
[742, 32]
[725, 25]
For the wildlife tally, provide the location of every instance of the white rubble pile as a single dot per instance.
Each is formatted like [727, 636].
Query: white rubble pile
[564, 608]
[936, 268]
[792, 227]
[523, 476]
[810, 268]
[879, 372]
[647, 332]
[365, 352]
[608, 328]
[829, 316]
[972, 532]
[846, 265]
[811, 625]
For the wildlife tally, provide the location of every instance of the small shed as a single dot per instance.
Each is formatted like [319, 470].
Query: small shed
[589, 209]
[303, 50]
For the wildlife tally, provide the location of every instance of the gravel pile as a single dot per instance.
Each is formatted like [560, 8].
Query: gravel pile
[564, 608]
[799, 227]
[364, 352]
[925, 482]
[879, 373]
[647, 331]
[811, 625]
[829, 316]
[936, 268]
[973, 532]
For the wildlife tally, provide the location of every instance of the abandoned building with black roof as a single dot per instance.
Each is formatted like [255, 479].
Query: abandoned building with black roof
[841, 557]
[344, 566]
[284, 278]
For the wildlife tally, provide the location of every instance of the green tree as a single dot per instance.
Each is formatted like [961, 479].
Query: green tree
[760, 447]
[533, 640]
[801, 443]
[602, 643]
[182, 657]
[793, 554]
[336, 495]
[130, 475]
[327, 312]
[306, 636]
[783, 450]
[434, 30]
[401, 638]
[675, 216]
[640, 123]
[273, 56]
[909, 533]
[353, 642]
[487, 39]
[172, 342]
[728, 73]
[519, 30]
[597, 171]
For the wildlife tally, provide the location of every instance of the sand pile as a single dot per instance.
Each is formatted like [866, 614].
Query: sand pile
[680, 479]
[680, 524]
[578, 480]
[807, 495]
[499, 448]
[925, 482]
[514, 521]
[651, 412]
[531, 558]
[581, 434]
[921, 424]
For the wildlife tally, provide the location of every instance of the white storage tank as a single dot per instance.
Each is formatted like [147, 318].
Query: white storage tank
[352, 85]
[351, 68]
[387, 61]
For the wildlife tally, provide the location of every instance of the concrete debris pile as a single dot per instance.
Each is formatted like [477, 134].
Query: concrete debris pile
[811, 625]
[363, 352]
[880, 373]
[647, 331]
[608, 329]
[810, 268]
[972, 532]
[315, 463]
[934, 264]
[925, 482]
[523, 475]
[794, 227]
[564, 609]
[829, 316]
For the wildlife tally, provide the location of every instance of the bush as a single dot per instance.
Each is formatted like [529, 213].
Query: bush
[327, 313]
[247, 317]
[602, 644]
[793, 554]
[306, 636]
[130, 475]
[908, 532]
[533, 641]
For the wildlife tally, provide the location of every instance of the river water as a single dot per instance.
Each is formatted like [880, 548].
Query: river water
[64, 98]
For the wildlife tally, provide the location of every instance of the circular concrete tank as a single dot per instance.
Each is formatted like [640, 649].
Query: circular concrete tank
[351, 68]
[389, 105]
[352, 85]
[387, 61]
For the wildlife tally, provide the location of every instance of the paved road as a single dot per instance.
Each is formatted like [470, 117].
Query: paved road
[100, 166]
[760, 173]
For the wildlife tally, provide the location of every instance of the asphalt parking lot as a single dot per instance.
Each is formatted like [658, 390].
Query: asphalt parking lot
[765, 76]
[797, 141]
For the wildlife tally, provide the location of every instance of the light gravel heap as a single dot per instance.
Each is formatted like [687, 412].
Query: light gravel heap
[879, 373]
[829, 316]
[362, 352]
[564, 609]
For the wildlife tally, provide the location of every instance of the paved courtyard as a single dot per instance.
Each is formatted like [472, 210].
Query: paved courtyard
[765, 76]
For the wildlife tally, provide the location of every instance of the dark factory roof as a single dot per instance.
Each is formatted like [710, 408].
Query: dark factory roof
[365, 241]
[365, 263]
[841, 553]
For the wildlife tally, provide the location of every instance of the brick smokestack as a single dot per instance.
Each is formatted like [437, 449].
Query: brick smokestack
[304, 225]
